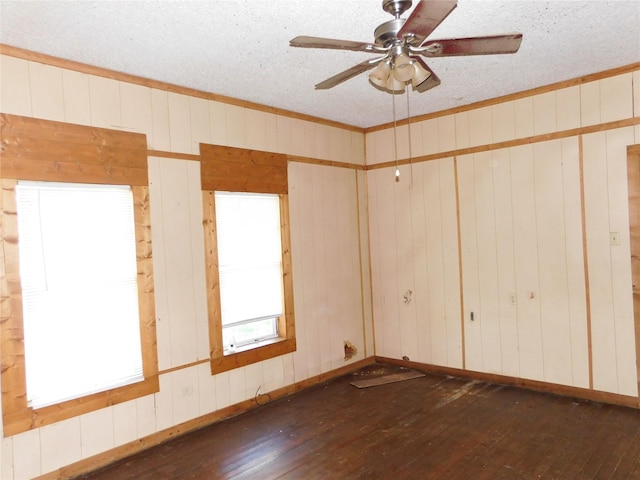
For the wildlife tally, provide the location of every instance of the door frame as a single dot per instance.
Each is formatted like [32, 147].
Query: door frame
[633, 182]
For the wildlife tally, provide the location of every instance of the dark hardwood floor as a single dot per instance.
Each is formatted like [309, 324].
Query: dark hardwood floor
[433, 427]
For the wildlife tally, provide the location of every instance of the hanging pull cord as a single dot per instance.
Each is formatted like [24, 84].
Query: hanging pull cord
[395, 135]
[409, 130]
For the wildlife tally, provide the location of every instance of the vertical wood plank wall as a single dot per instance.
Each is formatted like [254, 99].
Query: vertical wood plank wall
[395, 268]
[326, 204]
[527, 267]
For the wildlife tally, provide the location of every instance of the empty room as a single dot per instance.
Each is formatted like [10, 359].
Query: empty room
[370, 239]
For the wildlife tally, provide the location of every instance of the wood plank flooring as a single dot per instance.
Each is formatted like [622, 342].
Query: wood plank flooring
[433, 427]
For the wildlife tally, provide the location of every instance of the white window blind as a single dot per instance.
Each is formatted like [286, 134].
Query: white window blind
[249, 257]
[80, 300]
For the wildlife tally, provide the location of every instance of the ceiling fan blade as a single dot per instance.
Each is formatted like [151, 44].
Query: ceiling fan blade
[427, 15]
[431, 82]
[346, 75]
[319, 42]
[490, 45]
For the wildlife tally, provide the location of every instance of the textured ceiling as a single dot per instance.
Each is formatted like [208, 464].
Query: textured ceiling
[240, 48]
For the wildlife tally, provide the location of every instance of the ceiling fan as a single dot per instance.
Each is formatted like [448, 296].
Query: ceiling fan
[404, 42]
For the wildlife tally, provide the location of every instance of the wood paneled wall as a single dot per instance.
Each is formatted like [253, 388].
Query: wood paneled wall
[173, 122]
[415, 273]
[326, 203]
[536, 184]
[326, 265]
[522, 263]
[606, 211]
[460, 233]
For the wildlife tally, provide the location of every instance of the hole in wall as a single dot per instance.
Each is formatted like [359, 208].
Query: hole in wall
[349, 350]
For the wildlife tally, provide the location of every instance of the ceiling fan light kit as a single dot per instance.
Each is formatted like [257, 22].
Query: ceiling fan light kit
[403, 42]
[392, 75]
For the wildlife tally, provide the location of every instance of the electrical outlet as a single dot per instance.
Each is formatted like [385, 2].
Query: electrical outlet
[187, 391]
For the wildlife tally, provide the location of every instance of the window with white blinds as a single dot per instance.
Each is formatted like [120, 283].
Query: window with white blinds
[250, 266]
[78, 272]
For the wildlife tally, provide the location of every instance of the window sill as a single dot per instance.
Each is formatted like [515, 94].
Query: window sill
[253, 345]
[252, 354]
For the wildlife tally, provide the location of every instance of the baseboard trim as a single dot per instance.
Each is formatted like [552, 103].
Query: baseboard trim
[564, 390]
[123, 451]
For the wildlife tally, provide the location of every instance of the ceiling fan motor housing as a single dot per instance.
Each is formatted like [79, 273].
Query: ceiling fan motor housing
[387, 33]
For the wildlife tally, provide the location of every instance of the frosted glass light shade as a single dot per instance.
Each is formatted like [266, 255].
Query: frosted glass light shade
[420, 76]
[381, 74]
[394, 86]
[403, 69]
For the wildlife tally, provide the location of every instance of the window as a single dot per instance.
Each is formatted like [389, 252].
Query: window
[79, 291]
[249, 282]
[44, 166]
[250, 267]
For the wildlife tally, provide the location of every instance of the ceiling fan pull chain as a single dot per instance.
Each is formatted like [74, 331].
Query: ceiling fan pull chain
[409, 135]
[395, 135]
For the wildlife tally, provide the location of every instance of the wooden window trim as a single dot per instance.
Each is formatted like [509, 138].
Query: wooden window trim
[239, 170]
[42, 150]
